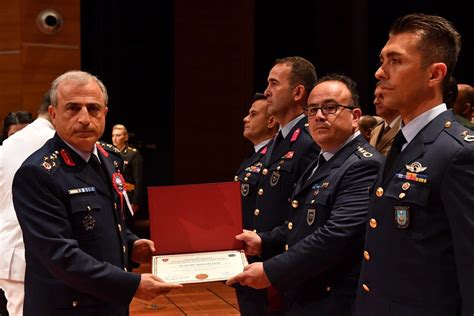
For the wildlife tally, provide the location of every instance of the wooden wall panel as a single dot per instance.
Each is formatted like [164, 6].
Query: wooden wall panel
[31, 59]
[69, 10]
[9, 25]
[10, 83]
[214, 45]
[40, 66]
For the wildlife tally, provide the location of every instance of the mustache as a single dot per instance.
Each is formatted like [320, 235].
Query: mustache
[321, 125]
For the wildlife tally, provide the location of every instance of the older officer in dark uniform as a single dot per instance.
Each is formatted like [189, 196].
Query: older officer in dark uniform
[324, 235]
[419, 251]
[133, 168]
[70, 201]
[259, 128]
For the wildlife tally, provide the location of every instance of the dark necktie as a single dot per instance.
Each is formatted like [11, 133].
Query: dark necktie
[394, 152]
[273, 145]
[95, 164]
[319, 162]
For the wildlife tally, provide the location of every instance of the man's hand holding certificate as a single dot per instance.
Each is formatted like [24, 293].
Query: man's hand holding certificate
[199, 267]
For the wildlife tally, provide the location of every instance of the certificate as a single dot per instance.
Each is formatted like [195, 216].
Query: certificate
[199, 267]
[187, 218]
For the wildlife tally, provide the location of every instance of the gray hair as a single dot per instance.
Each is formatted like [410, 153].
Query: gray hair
[82, 78]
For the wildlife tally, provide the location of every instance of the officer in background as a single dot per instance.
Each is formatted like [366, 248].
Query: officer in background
[383, 134]
[463, 105]
[70, 201]
[419, 249]
[324, 235]
[133, 166]
[259, 128]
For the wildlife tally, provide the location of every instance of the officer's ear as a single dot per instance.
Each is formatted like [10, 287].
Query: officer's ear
[438, 72]
[356, 114]
[271, 122]
[52, 113]
[298, 92]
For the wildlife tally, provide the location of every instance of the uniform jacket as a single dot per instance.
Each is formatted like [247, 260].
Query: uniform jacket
[133, 174]
[383, 142]
[248, 174]
[251, 301]
[76, 242]
[279, 176]
[13, 152]
[324, 234]
[420, 234]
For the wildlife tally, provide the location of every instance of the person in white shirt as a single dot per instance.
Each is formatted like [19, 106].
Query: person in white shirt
[13, 152]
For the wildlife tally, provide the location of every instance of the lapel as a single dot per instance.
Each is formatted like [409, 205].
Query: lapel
[418, 145]
[285, 145]
[335, 162]
[252, 159]
[385, 140]
[376, 133]
[81, 169]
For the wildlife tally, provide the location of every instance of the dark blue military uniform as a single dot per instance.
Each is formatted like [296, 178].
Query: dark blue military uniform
[251, 301]
[419, 251]
[76, 243]
[133, 174]
[248, 174]
[324, 235]
[278, 178]
[266, 204]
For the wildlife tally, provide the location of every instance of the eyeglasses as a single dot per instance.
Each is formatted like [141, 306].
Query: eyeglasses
[330, 108]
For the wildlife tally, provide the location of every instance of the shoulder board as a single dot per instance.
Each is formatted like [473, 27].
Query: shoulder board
[50, 162]
[363, 152]
[108, 147]
[132, 149]
[461, 133]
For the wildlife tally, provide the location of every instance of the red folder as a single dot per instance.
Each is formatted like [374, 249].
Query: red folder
[195, 218]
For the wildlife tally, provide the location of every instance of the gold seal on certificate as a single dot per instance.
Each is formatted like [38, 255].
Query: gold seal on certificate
[201, 276]
[199, 267]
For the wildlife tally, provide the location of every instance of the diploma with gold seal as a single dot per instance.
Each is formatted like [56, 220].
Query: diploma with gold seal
[199, 267]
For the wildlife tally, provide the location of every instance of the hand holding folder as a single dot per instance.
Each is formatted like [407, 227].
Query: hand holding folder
[194, 229]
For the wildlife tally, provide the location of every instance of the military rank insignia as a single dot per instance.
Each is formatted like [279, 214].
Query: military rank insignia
[402, 216]
[49, 162]
[88, 222]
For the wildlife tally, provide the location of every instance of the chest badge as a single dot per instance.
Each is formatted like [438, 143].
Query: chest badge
[416, 167]
[244, 189]
[274, 178]
[88, 222]
[311, 216]
[402, 216]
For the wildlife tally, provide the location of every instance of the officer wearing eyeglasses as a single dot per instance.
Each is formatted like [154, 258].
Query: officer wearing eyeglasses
[324, 234]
